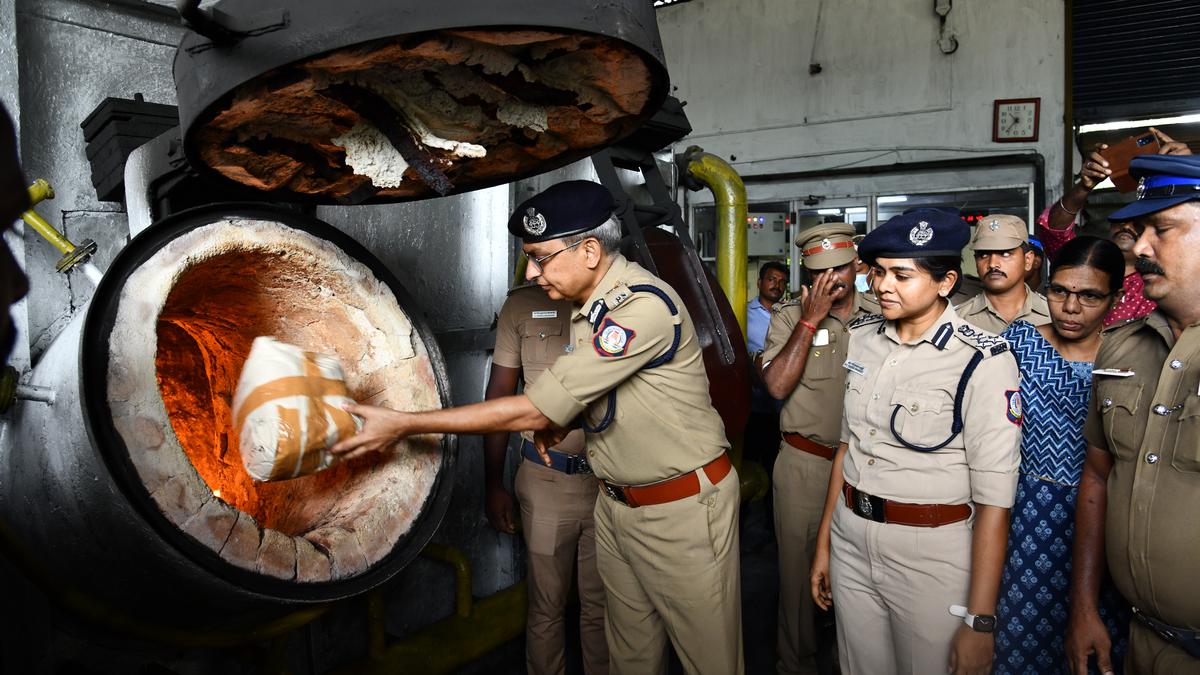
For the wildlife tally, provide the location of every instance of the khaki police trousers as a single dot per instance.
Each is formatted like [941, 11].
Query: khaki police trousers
[671, 571]
[560, 537]
[892, 589]
[800, 481]
[1149, 654]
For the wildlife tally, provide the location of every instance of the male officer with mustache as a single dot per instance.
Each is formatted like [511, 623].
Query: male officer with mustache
[1002, 259]
[1140, 489]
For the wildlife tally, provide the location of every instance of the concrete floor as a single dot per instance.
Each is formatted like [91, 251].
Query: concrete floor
[760, 587]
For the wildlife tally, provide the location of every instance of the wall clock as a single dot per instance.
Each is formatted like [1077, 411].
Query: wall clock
[1015, 119]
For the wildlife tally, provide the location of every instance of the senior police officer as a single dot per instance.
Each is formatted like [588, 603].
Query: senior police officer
[1140, 490]
[802, 366]
[916, 517]
[557, 501]
[1003, 258]
[666, 527]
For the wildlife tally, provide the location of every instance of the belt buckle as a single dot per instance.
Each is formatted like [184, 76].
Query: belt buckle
[579, 465]
[868, 506]
[615, 494]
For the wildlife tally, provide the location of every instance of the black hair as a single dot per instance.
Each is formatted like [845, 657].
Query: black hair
[772, 265]
[941, 265]
[1094, 252]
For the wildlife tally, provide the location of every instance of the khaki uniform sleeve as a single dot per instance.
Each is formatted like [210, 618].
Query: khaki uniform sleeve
[991, 431]
[508, 336]
[778, 332]
[1093, 426]
[588, 373]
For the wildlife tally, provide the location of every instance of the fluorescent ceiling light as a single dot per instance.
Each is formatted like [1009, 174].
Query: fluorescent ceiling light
[1130, 124]
[856, 209]
[894, 199]
[829, 212]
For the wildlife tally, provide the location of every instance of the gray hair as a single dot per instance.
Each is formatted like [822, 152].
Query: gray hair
[607, 233]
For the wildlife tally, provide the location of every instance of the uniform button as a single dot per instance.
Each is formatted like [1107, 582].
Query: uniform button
[915, 407]
[1151, 458]
[894, 362]
[542, 336]
[874, 397]
[1161, 409]
[871, 432]
[871, 462]
[1176, 364]
[591, 453]
[1107, 402]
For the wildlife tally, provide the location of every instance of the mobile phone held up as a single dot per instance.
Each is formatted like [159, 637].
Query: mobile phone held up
[1118, 156]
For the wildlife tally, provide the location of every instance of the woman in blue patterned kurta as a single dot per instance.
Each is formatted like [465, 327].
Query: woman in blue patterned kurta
[1056, 378]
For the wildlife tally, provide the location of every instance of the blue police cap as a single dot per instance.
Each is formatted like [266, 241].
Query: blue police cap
[916, 233]
[1037, 245]
[1166, 181]
[561, 210]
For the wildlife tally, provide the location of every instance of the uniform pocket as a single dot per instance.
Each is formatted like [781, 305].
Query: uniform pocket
[922, 417]
[824, 361]
[1187, 450]
[1119, 401]
[542, 342]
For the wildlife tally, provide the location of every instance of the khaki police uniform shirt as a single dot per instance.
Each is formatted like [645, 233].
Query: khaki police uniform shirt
[979, 312]
[921, 377]
[532, 331]
[664, 423]
[1149, 421]
[814, 408]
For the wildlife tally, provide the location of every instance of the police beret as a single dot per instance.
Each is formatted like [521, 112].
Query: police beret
[561, 210]
[1165, 181]
[917, 233]
[826, 245]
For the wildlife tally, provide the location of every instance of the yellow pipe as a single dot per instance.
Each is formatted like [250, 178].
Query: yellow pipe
[730, 195]
[462, 574]
[48, 232]
[40, 191]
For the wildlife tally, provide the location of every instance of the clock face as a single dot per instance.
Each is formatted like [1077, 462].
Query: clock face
[1016, 120]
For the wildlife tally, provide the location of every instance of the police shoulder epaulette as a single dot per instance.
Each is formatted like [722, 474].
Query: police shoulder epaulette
[780, 306]
[521, 287]
[988, 343]
[619, 294]
[865, 319]
[1127, 325]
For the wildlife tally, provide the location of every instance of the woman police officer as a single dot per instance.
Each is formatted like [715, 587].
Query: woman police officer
[912, 539]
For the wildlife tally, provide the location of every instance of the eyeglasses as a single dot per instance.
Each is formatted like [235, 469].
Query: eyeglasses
[539, 264]
[1056, 293]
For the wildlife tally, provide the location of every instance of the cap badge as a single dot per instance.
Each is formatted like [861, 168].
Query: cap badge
[826, 245]
[1141, 188]
[994, 225]
[921, 234]
[535, 223]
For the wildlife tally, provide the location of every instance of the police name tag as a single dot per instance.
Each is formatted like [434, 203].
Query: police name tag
[855, 367]
[1113, 372]
[546, 314]
[821, 338]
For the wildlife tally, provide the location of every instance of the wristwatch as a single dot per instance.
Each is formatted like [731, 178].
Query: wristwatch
[981, 623]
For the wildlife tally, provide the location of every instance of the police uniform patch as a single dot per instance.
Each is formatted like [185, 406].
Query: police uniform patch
[535, 223]
[1013, 411]
[612, 339]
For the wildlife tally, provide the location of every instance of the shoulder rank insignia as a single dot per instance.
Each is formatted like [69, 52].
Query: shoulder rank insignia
[865, 319]
[612, 339]
[982, 340]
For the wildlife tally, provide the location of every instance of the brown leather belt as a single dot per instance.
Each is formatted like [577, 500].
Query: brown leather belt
[680, 487]
[915, 515]
[811, 447]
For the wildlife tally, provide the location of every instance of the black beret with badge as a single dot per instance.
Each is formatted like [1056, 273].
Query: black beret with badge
[561, 210]
[916, 233]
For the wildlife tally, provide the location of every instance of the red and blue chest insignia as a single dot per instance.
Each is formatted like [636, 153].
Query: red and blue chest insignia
[612, 339]
[1014, 411]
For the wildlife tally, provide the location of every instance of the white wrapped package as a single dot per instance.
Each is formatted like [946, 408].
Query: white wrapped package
[288, 410]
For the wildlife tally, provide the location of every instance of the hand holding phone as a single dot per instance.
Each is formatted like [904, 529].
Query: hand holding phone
[1118, 156]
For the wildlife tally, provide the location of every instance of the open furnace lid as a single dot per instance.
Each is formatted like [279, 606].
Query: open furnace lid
[382, 101]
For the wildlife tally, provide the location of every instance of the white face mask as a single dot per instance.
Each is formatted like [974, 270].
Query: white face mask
[860, 283]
